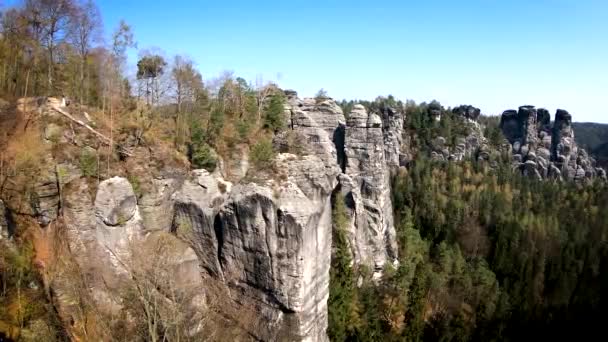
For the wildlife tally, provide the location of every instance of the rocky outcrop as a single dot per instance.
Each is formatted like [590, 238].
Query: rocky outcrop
[108, 242]
[392, 130]
[544, 151]
[467, 111]
[471, 144]
[366, 186]
[45, 199]
[366, 148]
[322, 125]
[269, 243]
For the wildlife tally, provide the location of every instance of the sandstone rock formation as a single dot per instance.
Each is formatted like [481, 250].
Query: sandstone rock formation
[392, 130]
[467, 111]
[365, 147]
[322, 124]
[267, 244]
[472, 144]
[107, 240]
[366, 185]
[544, 151]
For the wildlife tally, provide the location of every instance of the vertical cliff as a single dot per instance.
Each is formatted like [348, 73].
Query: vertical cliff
[366, 185]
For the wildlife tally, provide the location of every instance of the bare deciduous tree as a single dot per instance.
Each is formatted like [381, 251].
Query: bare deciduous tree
[188, 83]
[86, 30]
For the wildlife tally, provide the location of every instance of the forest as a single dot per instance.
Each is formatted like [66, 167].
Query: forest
[485, 255]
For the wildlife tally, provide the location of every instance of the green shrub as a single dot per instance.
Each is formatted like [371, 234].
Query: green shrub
[243, 127]
[200, 153]
[262, 154]
[203, 157]
[88, 163]
[275, 112]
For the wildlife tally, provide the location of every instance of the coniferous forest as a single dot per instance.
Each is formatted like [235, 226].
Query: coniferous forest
[484, 255]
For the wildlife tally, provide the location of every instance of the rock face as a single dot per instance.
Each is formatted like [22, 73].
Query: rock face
[544, 151]
[45, 203]
[472, 144]
[366, 148]
[270, 244]
[366, 185]
[107, 240]
[118, 221]
[322, 124]
[392, 130]
[467, 111]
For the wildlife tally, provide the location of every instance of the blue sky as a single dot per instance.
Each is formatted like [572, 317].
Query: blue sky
[495, 54]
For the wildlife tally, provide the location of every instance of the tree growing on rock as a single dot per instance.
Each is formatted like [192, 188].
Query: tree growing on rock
[342, 304]
[321, 95]
[274, 116]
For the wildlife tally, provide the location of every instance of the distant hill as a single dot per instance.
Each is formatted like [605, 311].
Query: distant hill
[594, 138]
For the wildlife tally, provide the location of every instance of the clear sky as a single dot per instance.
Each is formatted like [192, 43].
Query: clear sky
[495, 54]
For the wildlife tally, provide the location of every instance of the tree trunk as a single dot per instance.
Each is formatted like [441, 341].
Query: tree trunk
[50, 72]
[27, 78]
[82, 63]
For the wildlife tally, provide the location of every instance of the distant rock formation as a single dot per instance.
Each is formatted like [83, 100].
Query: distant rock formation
[467, 111]
[541, 150]
[473, 144]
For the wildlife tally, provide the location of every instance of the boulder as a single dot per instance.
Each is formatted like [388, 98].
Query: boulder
[115, 203]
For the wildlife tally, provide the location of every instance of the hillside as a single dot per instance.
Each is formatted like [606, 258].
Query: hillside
[594, 137]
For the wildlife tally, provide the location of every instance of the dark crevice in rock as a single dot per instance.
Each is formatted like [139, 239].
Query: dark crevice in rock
[339, 141]
[11, 225]
[218, 229]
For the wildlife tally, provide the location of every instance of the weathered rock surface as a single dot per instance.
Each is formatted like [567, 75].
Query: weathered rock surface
[552, 149]
[467, 111]
[45, 200]
[392, 128]
[107, 239]
[472, 144]
[366, 185]
[270, 244]
[156, 205]
[322, 124]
